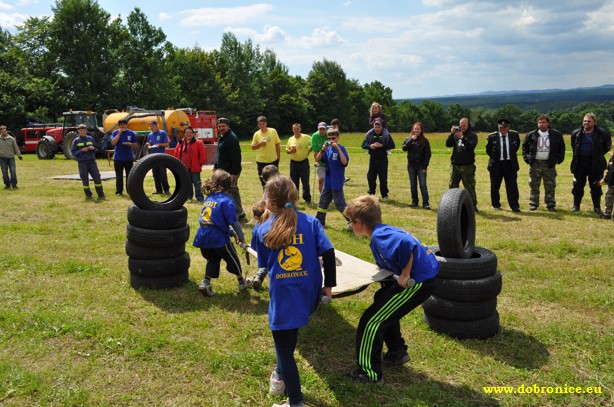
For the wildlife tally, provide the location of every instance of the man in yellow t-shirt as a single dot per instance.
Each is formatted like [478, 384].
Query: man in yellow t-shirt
[267, 143]
[299, 147]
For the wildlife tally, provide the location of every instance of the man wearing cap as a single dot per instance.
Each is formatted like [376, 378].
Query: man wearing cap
[123, 139]
[229, 160]
[589, 144]
[317, 141]
[377, 143]
[267, 144]
[502, 147]
[543, 149]
[157, 141]
[464, 140]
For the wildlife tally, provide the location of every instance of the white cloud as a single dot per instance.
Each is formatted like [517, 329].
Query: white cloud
[165, 16]
[12, 20]
[271, 34]
[4, 6]
[212, 17]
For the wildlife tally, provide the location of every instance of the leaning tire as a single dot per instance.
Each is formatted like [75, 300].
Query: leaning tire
[481, 264]
[459, 310]
[172, 281]
[67, 144]
[45, 149]
[456, 224]
[157, 238]
[478, 329]
[136, 251]
[159, 220]
[183, 183]
[469, 290]
[159, 267]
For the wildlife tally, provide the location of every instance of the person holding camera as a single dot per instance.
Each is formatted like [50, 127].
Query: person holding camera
[462, 168]
[377, 143]
[8, 150]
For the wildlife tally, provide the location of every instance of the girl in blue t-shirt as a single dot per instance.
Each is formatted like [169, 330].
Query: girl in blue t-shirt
[213, 235]
[289, 246]
[261, 214]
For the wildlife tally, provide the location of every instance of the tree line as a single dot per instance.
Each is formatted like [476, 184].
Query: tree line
[82, 59]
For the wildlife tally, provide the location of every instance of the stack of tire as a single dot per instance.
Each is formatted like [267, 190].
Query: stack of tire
[464, 304]
[157, 232]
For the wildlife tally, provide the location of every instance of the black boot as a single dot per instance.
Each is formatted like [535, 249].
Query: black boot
[99, 191]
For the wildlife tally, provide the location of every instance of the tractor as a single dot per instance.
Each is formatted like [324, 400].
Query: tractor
[60, 139]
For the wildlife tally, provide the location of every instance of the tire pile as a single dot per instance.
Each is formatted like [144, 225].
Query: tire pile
[464, 304]
[158, 231]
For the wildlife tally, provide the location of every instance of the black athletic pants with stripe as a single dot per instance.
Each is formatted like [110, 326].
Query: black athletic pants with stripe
[215, 256]
[380, 323]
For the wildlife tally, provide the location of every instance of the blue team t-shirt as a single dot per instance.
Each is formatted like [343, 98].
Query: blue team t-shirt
[216, 216]
[254, 242]
[122, 152]
[392, 247]
[295, 272]
[335, 171]
[157, 138]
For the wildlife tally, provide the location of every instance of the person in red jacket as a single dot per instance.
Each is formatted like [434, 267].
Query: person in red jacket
[191, 152]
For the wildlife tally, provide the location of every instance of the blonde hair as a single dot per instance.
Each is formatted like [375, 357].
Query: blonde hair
[282, 196]
[377, 105]
[366, 209]
[259, 208]
[220, 181]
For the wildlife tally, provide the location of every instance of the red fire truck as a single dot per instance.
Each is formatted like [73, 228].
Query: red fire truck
[204, 123]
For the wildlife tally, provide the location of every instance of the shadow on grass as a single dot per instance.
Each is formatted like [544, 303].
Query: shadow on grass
[328, 344]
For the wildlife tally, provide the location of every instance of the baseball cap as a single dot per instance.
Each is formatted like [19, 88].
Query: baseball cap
[322, 125]
[153, 122]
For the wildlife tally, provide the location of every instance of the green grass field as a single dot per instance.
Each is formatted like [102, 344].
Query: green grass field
[74, 333]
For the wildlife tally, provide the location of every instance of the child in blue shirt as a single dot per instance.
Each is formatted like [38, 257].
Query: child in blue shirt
[261, 214]
[213, 235]
[336, 158]
[415, 267]
[289, 246]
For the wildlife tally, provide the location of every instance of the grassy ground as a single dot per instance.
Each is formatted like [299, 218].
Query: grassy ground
[73, 331]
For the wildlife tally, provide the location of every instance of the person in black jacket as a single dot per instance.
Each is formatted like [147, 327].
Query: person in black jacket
[589, 144]
[608, 180]
[229, 160]
[464, 140]
[502, 147]
[543, 149]
[418, 157]
[377, 143]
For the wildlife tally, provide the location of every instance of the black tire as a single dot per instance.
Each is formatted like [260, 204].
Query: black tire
[175, 280]
[136, 251]
[459, 310]
[67, 144]
[157, 238]
[483, 263]
[469, 290]
[45, 148]
[478, 329]
[183, 182]
[456, 224]
[159, 267]
[159, 220]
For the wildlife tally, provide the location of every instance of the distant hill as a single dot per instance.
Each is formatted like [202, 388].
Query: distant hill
[541, 100]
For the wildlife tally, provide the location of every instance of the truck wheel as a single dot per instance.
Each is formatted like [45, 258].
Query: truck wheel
[483, 263]
[183, 182]
[469, 290]
[175, 280]
[456, 224]
[478, 329]
[157, 219]
[67, 145]
[459, 310]
[157, 238]
[159, 267]
[45, 149]
[136, 251]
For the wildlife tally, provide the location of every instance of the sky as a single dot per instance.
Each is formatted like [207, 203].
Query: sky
[416, 48]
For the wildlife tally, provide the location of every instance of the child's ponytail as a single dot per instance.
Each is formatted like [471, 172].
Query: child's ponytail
[281, 196]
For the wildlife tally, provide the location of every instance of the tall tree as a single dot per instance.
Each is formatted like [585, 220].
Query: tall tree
[326, 89]
[377, 92]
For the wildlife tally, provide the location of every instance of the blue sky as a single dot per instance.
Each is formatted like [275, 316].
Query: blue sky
[417, 48]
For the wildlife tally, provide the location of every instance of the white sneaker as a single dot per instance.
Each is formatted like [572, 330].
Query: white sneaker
[277, 387]
[286, 404]
[206, 289]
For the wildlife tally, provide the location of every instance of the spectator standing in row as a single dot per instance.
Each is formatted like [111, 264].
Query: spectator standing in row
[543, 149]
[418, 157]
[267, 143]
[608, 180]
[377, 143]
[191, 152]
[317, 141]
[336, 124]
[157, 141]
[229, 160]
[299, 147]
[84, 150]
[122, 139]
[589, 144]
[463, 140]
[8, 150]
[502, 147]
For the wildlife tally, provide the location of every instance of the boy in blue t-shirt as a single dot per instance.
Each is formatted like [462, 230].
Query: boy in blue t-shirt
[336, 158]
[415, 268]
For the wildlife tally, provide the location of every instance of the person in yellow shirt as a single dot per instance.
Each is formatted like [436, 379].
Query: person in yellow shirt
[299, 147]
[267, 143]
